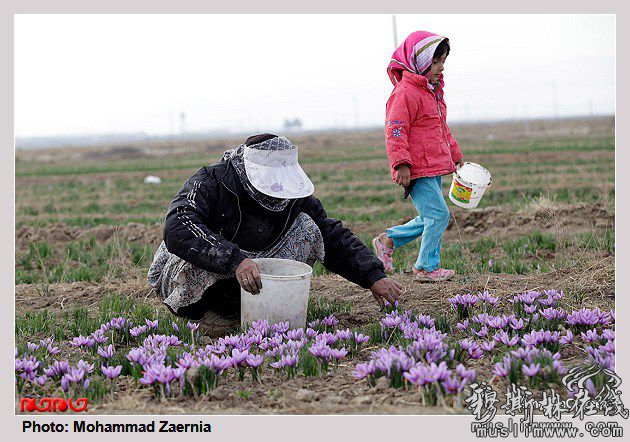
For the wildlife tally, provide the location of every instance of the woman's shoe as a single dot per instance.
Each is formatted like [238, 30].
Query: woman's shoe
[436, 275]
[384, 253]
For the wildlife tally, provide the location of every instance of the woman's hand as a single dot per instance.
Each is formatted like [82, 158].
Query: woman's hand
[460, 163]
[402, 175]
[248, 276]
[388, 289]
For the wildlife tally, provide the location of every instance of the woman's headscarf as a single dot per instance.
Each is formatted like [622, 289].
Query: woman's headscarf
[415, 55]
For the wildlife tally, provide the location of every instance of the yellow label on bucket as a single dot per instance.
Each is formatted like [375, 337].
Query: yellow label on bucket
[460, 192]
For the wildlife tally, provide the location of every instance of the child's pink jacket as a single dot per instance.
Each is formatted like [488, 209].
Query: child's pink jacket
[416, 131]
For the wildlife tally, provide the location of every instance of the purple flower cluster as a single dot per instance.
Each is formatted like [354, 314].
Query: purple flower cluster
[531, 363]
[586, 318]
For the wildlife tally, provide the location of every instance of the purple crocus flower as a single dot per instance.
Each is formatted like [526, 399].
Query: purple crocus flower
[464, 373]
[52, 350]
[487, 346]
[187, 361]
[364, 370]
[232, 340]
[151, 324]
[415, 375]
[290, 359]
[462, 326]
[328, 338]
[609, 347]
[41, 380]
[360, 338]
[608, 334]
[58, 368]
[498, 322]
[82, 341]
[391, 321]
[295, 345]
[99, 336]
[296, 334]
[175, 327]
[502, 337]
[254, 361]
[531, 370]
[278, 365]
[481, 318]
[530, 308]
[487, 298]
[344, 335]
[425, 320]
[65, 383]
[338, 353]
[553, 313]
[567, 338]
[239, 356]
[192, 326]
[138, 355]
[583, 316]
[31, 346]
[490, 263]
[85, 366]
[106, 352]
[137, 331]
[280, 327]
[111, 372]
[320, 350]
[453, 385]
[330, 321]
[310, 333]
[590, 336]
[501, 369]
[483, 332]
[516, 324]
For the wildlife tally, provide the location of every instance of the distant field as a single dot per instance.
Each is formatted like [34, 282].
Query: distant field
[353, 182]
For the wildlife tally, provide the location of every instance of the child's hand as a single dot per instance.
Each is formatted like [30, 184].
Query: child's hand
[460, 163]
[402, 175]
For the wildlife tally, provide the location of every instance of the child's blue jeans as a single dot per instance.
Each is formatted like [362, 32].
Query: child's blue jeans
[431, 223]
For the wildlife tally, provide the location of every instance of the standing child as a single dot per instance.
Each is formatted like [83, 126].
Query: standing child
[420, 149]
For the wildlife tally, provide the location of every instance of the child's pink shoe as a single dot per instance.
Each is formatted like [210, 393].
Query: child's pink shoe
[384, 253]
[436, 275]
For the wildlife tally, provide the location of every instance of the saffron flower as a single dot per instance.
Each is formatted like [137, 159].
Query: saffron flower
[362, 371]
[82, 341]
[106, 352]
[111, 372]
[360, 338]
[531, 370]
[487, 346]
[330, 321]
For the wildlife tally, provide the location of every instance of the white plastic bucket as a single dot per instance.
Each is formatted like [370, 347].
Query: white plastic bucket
[469, 184]
[284, 294]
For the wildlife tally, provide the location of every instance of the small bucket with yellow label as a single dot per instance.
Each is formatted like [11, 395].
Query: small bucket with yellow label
[469, 184]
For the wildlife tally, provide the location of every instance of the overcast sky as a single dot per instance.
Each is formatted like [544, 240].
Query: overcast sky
[78, 74]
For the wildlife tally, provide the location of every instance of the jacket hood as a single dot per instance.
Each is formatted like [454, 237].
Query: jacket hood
[414, 55]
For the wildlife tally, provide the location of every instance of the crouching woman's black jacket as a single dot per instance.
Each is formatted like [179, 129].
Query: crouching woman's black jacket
[212, 217]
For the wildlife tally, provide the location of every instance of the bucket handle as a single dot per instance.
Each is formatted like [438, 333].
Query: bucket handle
[457, 167]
